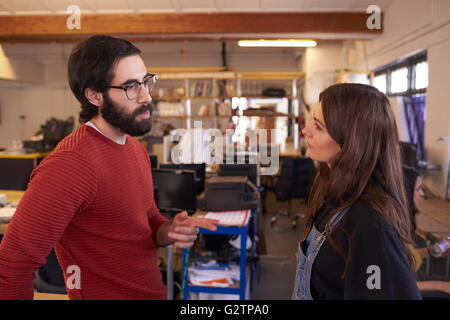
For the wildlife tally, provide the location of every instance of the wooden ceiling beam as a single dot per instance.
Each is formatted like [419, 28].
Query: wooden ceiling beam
[185, 25]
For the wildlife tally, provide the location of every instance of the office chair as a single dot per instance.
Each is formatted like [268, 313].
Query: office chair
[293, 182]
[49, 277]
[153, 160]
[408, 152]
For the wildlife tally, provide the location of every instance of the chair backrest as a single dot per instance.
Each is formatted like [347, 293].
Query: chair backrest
[408, 152]
[295, 179]
[153, 160]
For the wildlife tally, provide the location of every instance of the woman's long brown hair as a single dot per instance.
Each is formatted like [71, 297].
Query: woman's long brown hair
[368, 167]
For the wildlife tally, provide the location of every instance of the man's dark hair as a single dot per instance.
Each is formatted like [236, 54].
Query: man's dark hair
[91, 65]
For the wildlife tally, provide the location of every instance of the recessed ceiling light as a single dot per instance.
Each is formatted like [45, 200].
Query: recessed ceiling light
[277, 43]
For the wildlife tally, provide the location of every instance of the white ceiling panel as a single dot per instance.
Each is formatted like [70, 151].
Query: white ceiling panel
[60, 6]
[361, 5]
[110, 6]
[327, 5]
[238, 5]
[19, 6]
[149, 6]
[286, 5]
[198, 5]
[343, 5]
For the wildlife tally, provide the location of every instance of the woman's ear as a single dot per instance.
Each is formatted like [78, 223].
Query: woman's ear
[94, 97]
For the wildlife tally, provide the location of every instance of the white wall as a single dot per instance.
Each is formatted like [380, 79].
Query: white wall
[320, 64]
[411, 26]
[53, 98]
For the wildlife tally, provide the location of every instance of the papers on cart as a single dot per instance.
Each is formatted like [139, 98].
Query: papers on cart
[229, 218]
[213, 274]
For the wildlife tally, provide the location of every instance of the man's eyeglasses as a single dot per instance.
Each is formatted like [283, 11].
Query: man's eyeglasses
[133, 89]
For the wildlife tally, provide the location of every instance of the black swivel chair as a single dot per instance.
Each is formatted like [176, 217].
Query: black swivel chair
[293, 182]
[153, 160]
[408, 152]
[49, 277]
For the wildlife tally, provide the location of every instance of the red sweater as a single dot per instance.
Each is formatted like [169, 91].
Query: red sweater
[92, 200]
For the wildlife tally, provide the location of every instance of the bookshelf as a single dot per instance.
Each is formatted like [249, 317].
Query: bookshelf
[215, 97]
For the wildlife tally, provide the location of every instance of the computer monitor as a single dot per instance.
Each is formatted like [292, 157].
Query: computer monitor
[175, 190]
[247, 170]
[199, 169]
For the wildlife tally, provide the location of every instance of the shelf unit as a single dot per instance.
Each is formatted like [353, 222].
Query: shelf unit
[239, 289]
[247, 85]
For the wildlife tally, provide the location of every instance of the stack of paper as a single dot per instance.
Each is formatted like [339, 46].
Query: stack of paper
[229, 218]
[213, 274]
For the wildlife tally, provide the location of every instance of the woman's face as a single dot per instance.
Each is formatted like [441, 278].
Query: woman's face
[321, 147]
[418, 191]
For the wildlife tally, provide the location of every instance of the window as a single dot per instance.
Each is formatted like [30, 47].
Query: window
[421, 75]
[399, 80]
[406, 76]
[379, 82]
[408, 80]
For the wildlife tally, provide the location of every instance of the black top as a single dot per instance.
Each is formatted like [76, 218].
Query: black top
[373, 243]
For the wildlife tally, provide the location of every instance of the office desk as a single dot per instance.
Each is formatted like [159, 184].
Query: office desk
[433, 223]
[15, 169]
[434, 218]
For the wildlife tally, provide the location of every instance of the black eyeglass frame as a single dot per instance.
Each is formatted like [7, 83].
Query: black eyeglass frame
[125, 87]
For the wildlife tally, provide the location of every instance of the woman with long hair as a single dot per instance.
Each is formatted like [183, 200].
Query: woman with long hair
[430, 286]
[357, 233]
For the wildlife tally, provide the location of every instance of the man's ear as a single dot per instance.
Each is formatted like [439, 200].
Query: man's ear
[94, 97]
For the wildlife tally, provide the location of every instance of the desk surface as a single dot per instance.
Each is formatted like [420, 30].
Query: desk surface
[13, 195]
[49, 296]
[434, 217]
[35, 155]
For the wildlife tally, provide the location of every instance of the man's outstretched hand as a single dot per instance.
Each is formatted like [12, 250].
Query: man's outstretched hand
[184, 229]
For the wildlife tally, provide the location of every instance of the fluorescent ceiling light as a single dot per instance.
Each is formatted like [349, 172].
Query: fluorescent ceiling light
[277, 43]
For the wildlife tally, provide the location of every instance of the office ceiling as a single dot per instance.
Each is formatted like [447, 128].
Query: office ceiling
[146, 20]
[46, 7]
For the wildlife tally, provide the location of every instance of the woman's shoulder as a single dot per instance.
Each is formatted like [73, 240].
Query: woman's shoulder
[362, 217]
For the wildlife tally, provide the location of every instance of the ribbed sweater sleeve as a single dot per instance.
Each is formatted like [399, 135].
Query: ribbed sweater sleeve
[61, 186]
[155, 218]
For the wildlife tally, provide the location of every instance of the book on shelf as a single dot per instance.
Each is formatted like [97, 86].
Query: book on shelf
[203, 111]
[212, 88]
[215, 109]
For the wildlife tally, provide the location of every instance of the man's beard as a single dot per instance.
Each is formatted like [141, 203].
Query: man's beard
[126, 123]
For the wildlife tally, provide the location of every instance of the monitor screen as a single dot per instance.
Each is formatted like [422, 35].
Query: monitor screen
[175, 190]
[248, 170]
[199, 169]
